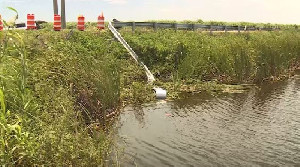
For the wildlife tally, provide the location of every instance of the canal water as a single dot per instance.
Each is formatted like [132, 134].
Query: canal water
[259, 127]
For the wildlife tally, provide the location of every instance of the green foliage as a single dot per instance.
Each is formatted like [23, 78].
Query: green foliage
[17, 147]
[12, 9]
[224, 57]
[60, 86]
[138, 93]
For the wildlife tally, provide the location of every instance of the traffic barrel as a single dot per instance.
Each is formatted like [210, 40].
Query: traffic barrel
[1, 23]
[100, 24]
[31, 22]
[57, 22]
[80, 25]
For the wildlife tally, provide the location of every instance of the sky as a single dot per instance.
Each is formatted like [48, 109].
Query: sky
[263, 11]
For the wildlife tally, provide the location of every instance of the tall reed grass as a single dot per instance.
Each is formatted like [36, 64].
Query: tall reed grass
[58, 87]
[225, 57]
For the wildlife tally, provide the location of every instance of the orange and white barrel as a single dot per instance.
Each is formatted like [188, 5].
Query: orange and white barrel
[57, 22]
[31, 22]
[100, 24]
[80, 24]
[1, 23]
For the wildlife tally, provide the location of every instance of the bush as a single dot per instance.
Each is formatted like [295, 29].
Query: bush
[225, 57]
[60, 86]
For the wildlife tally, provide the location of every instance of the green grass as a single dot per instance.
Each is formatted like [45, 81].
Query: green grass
[223, 57]
[57, 87]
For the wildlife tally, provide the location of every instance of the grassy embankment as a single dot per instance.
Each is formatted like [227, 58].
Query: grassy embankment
[58, 86]
[195, 61]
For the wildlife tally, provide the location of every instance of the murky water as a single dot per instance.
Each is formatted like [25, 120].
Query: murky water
[260, 127]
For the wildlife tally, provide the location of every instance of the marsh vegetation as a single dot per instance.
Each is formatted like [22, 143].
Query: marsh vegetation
[58, 87]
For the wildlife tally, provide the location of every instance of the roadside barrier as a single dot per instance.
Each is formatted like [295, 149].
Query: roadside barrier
[31, 22]
[57, 22]
[80, 25]
[193, 26]
[100, 24]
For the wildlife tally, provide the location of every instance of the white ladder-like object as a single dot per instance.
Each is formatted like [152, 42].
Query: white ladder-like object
[160, 93]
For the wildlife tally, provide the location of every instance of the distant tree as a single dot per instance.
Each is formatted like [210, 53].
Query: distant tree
[200, 21]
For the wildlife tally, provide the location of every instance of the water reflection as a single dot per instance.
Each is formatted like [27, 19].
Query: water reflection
[257, 128]
[139, 114]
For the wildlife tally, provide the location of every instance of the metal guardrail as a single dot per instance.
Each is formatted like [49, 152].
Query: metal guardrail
[194, 27]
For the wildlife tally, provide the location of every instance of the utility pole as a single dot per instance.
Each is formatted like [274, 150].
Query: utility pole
[55, 6]
[63, 14]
